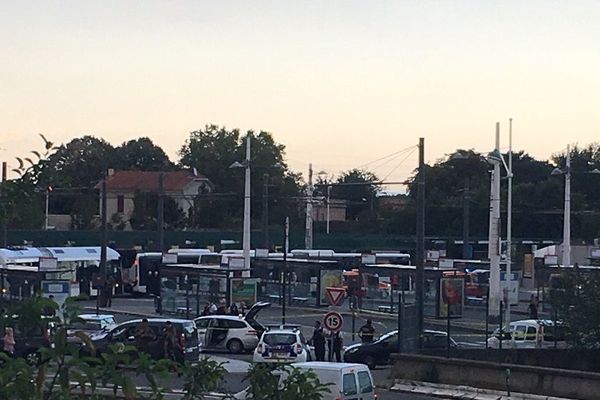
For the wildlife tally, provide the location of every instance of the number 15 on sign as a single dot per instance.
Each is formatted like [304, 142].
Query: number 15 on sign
[333, 321]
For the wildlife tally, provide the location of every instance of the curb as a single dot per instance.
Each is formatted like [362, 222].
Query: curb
[462, 392]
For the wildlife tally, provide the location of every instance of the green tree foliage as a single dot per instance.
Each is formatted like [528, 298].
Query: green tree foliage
[212, 151]
[143, 155]
[145, 212]
[356, 188]
[576, 298]
[283, 382]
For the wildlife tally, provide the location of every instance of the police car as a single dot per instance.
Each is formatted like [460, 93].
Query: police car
[283, 344]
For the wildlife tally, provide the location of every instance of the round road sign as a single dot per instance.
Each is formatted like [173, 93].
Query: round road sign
[333, 321]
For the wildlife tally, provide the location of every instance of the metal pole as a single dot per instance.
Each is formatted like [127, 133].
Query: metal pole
[501, 324]
[4, 221]
[328, 197]
[509, 227]
[494, 232]
[308, 240]
[246, 234]
[466, 220]
[400, 304]
[286, 234]
[266, 210]
[161, 212]
[487, 319]
[47, 202]
[448, 330]
[420, 246]
[103, 267]
[567, 216]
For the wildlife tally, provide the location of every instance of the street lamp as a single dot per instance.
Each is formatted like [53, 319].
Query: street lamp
[246, 232]
[566, 259]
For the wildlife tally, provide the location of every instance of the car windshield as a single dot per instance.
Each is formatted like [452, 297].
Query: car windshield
[387, 337]
[277, 339]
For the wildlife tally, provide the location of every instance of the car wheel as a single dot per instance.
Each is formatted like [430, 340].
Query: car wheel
[235, 346]
[370, 362]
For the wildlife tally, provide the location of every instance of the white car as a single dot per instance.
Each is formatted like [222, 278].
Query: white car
[281, 345]
[530, 334]
[230, 332]
[345, 381]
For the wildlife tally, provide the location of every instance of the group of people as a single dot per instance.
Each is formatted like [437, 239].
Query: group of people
[334, 341]
[145, 336]
[212, 309]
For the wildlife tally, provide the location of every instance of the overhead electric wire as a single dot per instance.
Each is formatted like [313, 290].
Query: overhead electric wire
[399, 164]
[387, 156]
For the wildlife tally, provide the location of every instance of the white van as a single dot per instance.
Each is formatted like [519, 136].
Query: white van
[530, 334]
[345, 381]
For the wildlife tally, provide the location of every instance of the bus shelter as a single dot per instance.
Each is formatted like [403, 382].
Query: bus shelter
[380, 287]
[186, 289]
[306, 280]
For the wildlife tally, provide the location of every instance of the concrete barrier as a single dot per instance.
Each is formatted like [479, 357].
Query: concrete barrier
[497, 376]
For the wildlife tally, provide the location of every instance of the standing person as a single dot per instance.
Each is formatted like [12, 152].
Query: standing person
[144, 335]
[533, 309]
[9, 341]
[109, 284]
[337, 344]
[170, 345]
[329, 340]
[318, 340]
[233, 310]
[367, 332]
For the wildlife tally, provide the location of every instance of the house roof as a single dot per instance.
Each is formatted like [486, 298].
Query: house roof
[149, 180]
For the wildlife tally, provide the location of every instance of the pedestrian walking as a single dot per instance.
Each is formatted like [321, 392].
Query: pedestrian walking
[337, 343]
[533, 308]
[170, 344]
[318, 341]
[367, 332]
[9, 341]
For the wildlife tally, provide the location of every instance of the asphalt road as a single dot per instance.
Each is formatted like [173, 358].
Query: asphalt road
[237, 365]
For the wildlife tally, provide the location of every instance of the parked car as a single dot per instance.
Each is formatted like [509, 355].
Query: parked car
[345, 381]
[125, 333]
[231, 332]
[91, 325]
[281, 345]
[28, 344]
[378, 352]
[529, 334]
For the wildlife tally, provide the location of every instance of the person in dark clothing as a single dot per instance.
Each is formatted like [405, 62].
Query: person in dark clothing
[171, 344]
[318, 340]
[367, 332]
[337, 343]
[110, 283]
[233, 310]
[144, 335]
[533, 309]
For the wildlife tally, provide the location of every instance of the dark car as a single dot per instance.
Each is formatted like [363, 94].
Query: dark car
[125, 333]
[379, 351]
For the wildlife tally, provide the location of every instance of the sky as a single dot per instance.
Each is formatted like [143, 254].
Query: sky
[339, 83]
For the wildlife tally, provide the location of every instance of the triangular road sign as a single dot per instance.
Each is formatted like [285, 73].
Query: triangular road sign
[335, 295]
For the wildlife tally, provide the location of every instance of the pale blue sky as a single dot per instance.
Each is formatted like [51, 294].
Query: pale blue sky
[340, 83]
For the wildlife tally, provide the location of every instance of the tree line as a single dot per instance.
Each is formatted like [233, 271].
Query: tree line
[453, 184]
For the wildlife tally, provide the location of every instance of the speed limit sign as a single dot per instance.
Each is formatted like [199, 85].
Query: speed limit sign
[333, 321]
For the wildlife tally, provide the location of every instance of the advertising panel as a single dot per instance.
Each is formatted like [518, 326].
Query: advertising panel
[329, 278]
[243, 291]
[451, 296]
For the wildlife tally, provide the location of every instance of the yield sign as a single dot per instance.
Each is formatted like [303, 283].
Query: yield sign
[335, 295]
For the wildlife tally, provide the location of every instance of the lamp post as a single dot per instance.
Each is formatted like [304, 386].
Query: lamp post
[246, 231]
[566, 245]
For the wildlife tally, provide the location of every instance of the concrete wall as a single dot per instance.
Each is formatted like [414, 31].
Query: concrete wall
[523, 379]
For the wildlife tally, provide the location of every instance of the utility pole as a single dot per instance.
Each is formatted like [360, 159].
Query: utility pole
[466, 220]
[509, 227]
[286, 245]
[103, 267]
[4, 221]
[494, 231]
[567, 217]
[420, 248]
[328, 203]
[308, 239]
[246, 233]
[266, 210]
[161, 211]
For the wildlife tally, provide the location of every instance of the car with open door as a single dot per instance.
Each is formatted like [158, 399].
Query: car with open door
[233, 333]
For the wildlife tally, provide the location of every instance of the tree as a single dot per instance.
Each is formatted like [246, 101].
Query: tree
[213, 150]
[145, 212]
[143, 155]
[357, 188]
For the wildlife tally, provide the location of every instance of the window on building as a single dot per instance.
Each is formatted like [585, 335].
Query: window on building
[120, 203]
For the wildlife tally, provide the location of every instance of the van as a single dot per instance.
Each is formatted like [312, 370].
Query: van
[529, 334]
[346, 381]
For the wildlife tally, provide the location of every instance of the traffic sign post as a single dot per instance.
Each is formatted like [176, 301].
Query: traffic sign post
[333, 321]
